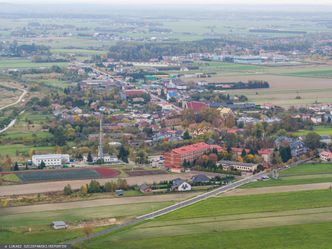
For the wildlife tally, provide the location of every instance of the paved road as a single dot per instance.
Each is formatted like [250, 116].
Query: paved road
[172, 208]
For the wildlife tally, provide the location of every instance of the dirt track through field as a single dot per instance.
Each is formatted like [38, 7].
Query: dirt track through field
[96, 203]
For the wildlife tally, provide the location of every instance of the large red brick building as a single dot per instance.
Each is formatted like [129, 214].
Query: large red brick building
[175, 158]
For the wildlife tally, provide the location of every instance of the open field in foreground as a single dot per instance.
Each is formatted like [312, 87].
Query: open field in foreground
[302, 174]
[15, 227]
[256, 221]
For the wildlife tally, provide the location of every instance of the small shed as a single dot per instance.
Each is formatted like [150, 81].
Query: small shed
[59, 225]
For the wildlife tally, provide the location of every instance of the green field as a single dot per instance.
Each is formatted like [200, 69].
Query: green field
[321, 130]
[256, 221]
[309, 169]
[307, 236]
[14, 227]
[317, 73]
[84, 52]
[302, 174]
[23, 63]
[11, 149]
[23, 137]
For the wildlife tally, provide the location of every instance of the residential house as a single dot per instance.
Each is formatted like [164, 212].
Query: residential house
[180, 185]
[266, 154]
[195, 106]
[144, 188]
[325, 156]
[200, 179]
[325, 139]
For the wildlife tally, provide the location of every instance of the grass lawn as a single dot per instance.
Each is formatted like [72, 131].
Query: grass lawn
[321, 130]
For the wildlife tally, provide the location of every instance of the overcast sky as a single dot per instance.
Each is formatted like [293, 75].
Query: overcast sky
[301, 2]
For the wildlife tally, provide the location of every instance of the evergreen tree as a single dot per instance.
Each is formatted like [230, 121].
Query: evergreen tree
[89, 158]
[16, 167]
[123, 154]
[186, 135]
[285, 153]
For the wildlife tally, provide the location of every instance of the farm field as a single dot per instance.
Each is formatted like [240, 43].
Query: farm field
[283, 89]
[23, 63]
[66, 174]
[13, 149]
[255, 221]
[28, 129]
[309, 169]
[83, 52]
[15, 227]
[302, 174]
[8, 96]
[319, 73]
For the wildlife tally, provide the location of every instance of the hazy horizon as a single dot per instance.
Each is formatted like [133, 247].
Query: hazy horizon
[177, 2]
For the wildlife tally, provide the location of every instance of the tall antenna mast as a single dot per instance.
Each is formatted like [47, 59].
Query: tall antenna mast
[100, 147]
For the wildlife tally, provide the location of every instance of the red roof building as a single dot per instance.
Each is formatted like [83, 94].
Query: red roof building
[134, 93]
[325, 156]
[238, 151]
[196, 106]
[266, 154]
[175, 158]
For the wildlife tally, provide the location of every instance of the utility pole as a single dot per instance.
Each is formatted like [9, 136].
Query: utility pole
[100, 147]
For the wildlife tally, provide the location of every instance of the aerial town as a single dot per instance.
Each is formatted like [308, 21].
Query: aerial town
[144, 131]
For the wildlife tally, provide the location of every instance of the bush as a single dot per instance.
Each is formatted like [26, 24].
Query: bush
[67, 190]
[94, 187]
